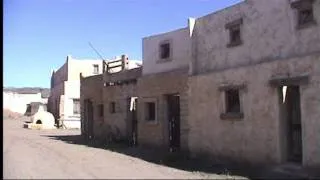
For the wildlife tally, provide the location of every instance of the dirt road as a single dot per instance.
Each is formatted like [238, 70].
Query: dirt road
[31, 154]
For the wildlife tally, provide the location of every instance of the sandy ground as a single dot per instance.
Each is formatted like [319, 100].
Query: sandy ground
[32, 154]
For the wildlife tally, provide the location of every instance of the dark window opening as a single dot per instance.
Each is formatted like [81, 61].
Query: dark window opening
[150, 111]
[232, 101]
[165, 51]
[305, 16]
[112, 107]
[95, 69]
[235, 35]
[76, 106]
[100, 108]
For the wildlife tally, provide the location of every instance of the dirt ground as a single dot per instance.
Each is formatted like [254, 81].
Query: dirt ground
[64, 154]
[33, 154]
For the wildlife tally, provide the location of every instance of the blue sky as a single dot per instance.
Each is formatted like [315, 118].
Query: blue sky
[39, 34]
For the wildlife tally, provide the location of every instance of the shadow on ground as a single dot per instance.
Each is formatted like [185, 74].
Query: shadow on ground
[184, 162]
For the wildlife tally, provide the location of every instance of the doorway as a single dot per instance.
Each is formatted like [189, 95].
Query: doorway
[132, 112]
[173, 102]
[291, 118]
[89, 117]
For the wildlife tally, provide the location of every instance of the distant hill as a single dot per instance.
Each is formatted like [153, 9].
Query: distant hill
[45, 92]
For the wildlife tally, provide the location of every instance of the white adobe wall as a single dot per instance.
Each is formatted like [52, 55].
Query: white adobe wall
[18, 102]
[180, 49]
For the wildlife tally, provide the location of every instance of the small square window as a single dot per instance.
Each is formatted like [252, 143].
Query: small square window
[165, 50]
[100, 109]
[305, 16]
[95, 69]
[112, 107]
[232, 101]
[150, 111]
[76, 106]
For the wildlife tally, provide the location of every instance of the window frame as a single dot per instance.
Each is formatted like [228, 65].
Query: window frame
[145, 110]
[74, 109]
[232, 27]
[229, 115]
[300, 6]
[166, 59]
[95, 69]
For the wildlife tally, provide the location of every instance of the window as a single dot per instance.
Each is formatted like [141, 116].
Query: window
[232, 101]
[112, 107]
[304, 12]
[95, 69]
[76, 106]
[100, 109]
[150, 111]
[305, 17]
[235, 35]
[165, 50]
[234, 29]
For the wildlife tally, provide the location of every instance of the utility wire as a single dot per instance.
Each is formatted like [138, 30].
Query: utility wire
[96, 51]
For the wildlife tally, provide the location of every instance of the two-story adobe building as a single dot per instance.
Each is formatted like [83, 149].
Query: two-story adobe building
[255, 84]
[241, 83]
[64, 100]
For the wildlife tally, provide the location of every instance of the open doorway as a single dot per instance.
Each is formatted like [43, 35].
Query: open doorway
[173, 102]
[290, 116]
[133, 124]
[89, 117]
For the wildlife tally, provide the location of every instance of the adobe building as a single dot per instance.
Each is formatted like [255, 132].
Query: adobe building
[241, 84]
[108, 101]
[163, 90]
[255, 83]
[64, 100]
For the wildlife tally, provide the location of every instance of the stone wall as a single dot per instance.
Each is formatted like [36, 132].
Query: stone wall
[258, 136]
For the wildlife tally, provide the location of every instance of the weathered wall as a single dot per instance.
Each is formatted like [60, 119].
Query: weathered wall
[91, 88]
[269, 31]
[118, 123]
[181, 51]
[61, 74]
[155, 87]
[257, 137]
[54, 99]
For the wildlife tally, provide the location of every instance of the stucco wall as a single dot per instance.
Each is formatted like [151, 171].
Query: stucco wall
[257, 137]
[91, 88]
[72, 91]
[269, 31]
[75, 67]
[119, 123]
[18, 102]
[180, 46]
[61, 74]
[54, 99]
[154, 87]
